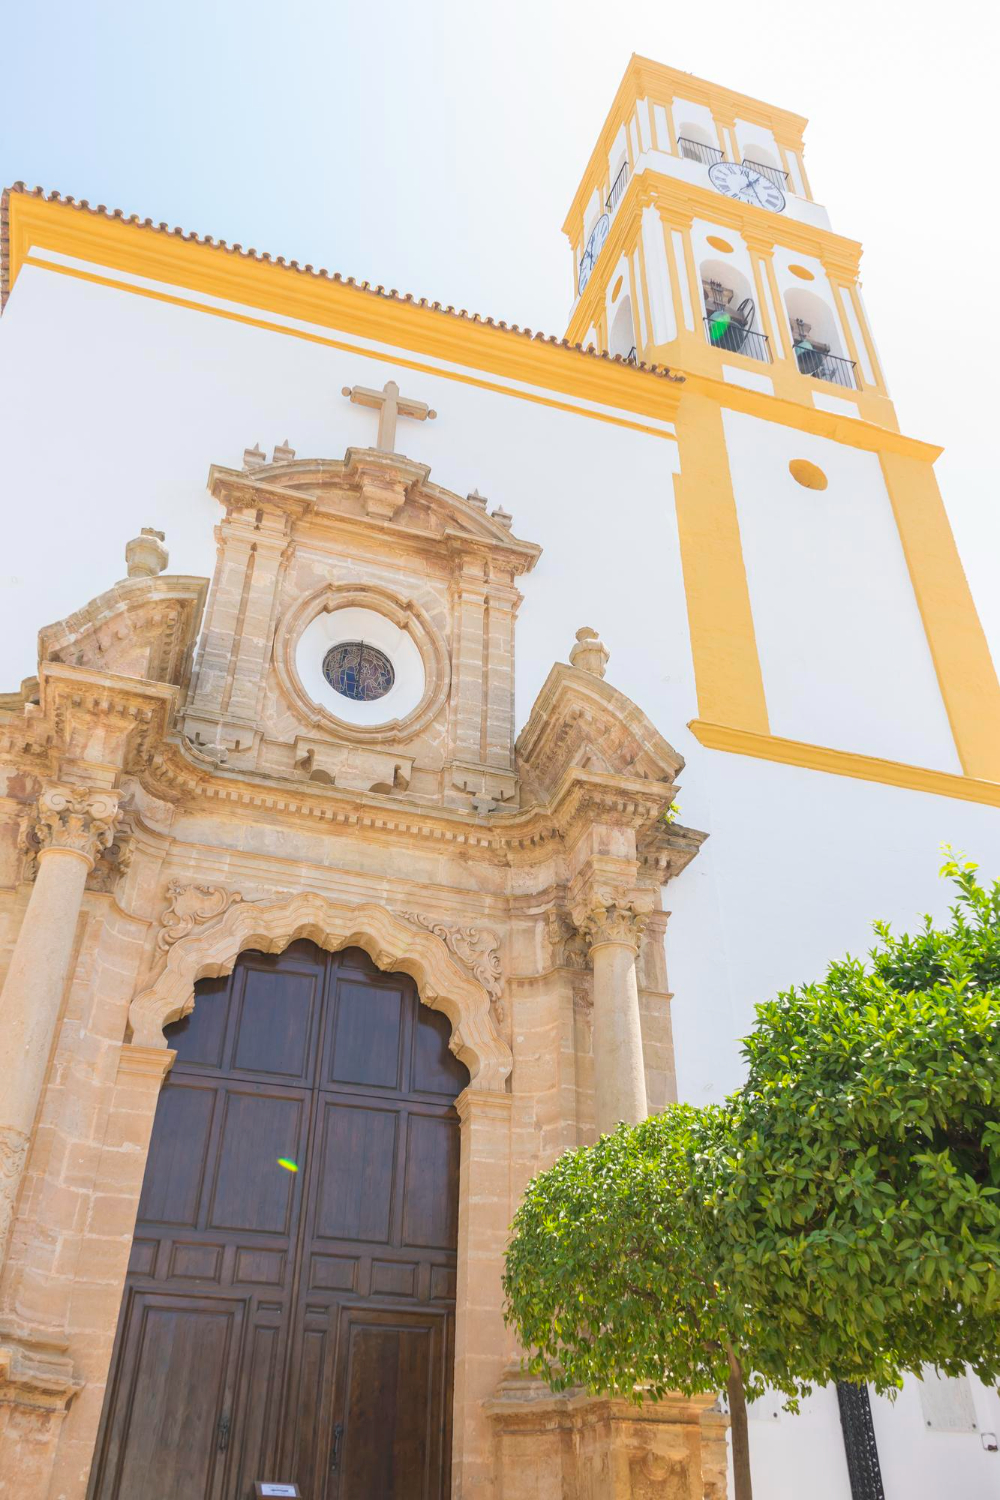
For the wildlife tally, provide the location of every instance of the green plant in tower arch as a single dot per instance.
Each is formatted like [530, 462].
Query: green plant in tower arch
[838, 1218]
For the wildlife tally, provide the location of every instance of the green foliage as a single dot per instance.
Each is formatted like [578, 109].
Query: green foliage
[837, 1219]
[607, 1278]
[854, 1179]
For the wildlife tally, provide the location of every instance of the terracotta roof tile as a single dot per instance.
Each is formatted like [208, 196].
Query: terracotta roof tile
[83, 206]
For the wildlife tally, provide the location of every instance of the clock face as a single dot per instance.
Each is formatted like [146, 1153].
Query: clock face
[746, 185]
[595, 244]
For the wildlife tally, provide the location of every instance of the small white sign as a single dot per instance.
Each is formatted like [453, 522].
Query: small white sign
[279, 1489]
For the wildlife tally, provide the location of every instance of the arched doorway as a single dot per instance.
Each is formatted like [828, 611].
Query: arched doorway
[289, 1309]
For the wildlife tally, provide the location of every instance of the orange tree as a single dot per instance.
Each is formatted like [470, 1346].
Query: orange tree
[837, 1219]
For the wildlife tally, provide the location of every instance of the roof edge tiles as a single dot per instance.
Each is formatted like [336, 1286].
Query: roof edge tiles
[661, 372]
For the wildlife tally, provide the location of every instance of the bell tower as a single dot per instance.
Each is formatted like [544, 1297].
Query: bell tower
[697, 243]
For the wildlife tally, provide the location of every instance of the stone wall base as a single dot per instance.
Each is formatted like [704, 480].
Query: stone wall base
[579, 1447]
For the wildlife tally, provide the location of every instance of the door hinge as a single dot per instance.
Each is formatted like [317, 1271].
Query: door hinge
[224, 1424]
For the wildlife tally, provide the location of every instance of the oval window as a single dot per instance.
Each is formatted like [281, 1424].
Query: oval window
[718, 243]
[358, 671]
[807, 474]
[617, 289]
[802, 272]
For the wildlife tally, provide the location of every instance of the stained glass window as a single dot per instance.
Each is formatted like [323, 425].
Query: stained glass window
[358, 671]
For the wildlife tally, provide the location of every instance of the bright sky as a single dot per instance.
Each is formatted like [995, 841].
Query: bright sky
[435, 145]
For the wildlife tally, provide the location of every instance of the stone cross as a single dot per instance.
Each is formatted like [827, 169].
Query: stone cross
[390, 405]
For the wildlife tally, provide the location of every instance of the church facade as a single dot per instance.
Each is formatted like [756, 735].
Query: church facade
[339, 836]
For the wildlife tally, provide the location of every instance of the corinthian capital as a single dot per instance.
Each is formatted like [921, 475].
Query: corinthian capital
[76, 818]
[614, 918]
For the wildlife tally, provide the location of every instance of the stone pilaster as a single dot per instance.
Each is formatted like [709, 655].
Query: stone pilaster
[71, 826]
[481, 1340]
[613, 927]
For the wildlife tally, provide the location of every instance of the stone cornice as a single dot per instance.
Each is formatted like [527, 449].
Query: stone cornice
[305, 490]
[95, 719]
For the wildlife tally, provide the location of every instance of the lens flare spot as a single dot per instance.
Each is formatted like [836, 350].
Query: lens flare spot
[287, 1163]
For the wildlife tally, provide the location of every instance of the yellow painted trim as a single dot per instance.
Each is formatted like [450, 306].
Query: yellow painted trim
[723, 645]
[784, 346]
[759, 267]
[957, 643]
[644, 285]
[866, 334]
[314, 338]
[844, 763]
[674, 274]
[212, 271]
[800, 154]
[844, 324]
[645, 79]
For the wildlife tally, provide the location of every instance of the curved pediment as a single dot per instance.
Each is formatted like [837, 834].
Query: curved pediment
[386, 488]
[142, 627]
[580, 721]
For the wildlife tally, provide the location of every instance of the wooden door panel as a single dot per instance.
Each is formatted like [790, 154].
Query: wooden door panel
[251, 1191]
[357, 1171]
[430, 1206]
[390, 1399]
[178, 1150]
[435, 1068]
[293, 1301]
[275, 1020]
[174, 1386]
[367, 1035]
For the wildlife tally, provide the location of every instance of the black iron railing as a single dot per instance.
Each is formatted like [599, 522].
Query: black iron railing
[617, 188]
[726, 332]
[773, 174]
[822, 365]
[696, 151]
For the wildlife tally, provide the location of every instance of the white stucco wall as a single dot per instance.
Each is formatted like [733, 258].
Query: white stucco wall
[843, 651]
[112, 408]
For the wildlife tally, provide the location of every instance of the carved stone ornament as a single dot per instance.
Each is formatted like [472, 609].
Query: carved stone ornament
[190, 906]
[13, 1154]
[478, 948]
[654, 1477]
[444, 983]
[614, 918]
[570, 949]
[112, 863]
[71, 817]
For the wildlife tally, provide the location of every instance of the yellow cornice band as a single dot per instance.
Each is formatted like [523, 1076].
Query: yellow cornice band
[844, 763]
[102, 241]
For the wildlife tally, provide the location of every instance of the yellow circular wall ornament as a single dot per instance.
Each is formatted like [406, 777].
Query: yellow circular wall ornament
[807, 474]
[617, 288]
[718, 243]
[802, 272]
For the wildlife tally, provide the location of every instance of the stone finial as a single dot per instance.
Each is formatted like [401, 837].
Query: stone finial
[590, 653]
[145, 554]
[254, 458]
[282, 453]
[475, 498]
[502, 517]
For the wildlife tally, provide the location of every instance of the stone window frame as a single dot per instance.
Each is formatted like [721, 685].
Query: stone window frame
[406, 615]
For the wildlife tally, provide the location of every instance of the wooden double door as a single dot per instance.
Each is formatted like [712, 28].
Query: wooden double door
[289, 1308]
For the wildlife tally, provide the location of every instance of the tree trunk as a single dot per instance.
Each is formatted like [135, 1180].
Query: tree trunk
[738, 1426]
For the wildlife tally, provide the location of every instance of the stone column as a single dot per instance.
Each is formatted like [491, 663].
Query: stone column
[613, 930]
[73, 824]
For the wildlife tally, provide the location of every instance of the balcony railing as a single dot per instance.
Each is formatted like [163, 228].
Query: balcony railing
[696, 151]
[773, 174]
[822, 365]
[632, 357]
[725, 332]
[617, 188]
